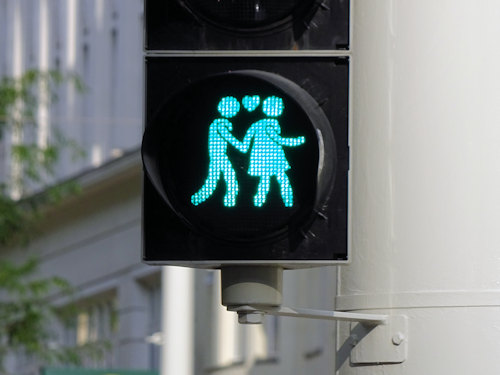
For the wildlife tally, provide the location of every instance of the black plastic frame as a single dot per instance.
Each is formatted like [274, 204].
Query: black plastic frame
[170, 25]
[298, 19]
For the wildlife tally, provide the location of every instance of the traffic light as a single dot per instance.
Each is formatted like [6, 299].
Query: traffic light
[246, 152]
[257, 25]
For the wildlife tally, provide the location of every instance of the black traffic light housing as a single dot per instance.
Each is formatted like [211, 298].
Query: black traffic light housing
[182, 95]
[247, 25]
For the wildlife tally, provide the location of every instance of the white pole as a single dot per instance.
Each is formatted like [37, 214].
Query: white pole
[177, 356]
[425, 180]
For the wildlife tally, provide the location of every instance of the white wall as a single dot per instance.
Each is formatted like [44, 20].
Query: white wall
[101, 42]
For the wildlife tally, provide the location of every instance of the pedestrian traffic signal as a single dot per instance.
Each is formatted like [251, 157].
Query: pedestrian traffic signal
[245, 148]
[267, 157]
[230, 156]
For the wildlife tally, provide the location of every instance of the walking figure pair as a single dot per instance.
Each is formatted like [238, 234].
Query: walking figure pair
[267, 157]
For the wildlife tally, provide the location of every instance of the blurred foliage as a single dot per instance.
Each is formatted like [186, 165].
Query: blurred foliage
[33, 163]
[26, 314]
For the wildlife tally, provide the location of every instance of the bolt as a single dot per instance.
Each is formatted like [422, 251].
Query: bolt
[354, 339]
[398, 338]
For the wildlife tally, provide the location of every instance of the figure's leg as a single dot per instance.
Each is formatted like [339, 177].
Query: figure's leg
[208, 187]
[286, 189]
[231, 184]
[260, 198]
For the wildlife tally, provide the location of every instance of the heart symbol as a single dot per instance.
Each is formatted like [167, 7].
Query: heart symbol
[251, 102]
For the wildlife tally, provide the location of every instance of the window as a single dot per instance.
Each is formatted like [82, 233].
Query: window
[95, 323]
[94, 326]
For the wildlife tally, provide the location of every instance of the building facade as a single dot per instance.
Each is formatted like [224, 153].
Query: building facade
[93, 239]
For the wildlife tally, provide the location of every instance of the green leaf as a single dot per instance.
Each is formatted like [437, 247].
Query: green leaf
[25, 307]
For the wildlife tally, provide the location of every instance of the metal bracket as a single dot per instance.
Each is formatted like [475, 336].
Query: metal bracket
[374, 339]
[253, 314]
[385, 344]
[371, 339]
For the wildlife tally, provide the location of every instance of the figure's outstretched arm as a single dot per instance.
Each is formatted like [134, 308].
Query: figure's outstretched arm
[293, 142]
[288, 142]
[273, 130]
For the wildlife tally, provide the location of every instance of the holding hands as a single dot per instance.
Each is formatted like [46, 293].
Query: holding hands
[267, 157]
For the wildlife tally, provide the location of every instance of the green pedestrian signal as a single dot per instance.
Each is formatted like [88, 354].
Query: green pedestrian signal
[238, 156]
[219, 137]
[240, 165]
[267, 157]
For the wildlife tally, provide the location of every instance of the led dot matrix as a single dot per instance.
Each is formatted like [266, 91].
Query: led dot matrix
[267, 157]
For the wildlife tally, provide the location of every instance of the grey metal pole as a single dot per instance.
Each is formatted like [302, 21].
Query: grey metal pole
[177, 353]
[425, 183]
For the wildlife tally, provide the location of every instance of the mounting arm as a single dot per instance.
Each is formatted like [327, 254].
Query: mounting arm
[254, 314]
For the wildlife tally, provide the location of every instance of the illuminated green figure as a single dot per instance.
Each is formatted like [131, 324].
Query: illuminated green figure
[267, 157]
[219, 137]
